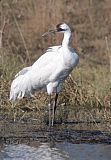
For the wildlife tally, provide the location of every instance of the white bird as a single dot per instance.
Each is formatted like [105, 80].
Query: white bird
[48, 72]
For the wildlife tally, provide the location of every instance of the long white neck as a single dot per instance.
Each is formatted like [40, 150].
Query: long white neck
[66, 39]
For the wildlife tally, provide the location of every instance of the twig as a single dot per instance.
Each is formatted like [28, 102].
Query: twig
[108, 52]
[1, 32]
[23, 40]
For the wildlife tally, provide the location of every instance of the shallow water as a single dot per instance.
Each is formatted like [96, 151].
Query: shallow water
[57, 151]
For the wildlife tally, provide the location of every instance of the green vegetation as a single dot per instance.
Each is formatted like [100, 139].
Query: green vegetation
[88, 89]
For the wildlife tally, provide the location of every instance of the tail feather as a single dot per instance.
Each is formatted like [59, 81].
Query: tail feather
[20, 87]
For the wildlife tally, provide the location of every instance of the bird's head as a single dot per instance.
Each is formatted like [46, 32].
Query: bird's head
[61, 27]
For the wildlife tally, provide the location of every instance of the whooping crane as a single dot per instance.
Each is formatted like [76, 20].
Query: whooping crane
[48, 72]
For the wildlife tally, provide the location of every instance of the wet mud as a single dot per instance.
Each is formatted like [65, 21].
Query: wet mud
[72, 132]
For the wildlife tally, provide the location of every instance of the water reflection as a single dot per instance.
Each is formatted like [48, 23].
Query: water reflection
[60, 151]
[86, 151]
[25, 152]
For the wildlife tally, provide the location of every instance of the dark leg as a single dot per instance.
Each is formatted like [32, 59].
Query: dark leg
[54, 108]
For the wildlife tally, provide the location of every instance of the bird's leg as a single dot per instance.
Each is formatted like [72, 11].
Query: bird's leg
[49, 105]
[54, 108]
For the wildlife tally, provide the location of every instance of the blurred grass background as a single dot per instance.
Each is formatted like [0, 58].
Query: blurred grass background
[22, 22]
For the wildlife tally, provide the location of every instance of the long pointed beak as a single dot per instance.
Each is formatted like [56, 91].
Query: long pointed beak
[49, 32]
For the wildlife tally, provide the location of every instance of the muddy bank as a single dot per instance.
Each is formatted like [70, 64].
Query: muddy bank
[29, 132]
[33, 127]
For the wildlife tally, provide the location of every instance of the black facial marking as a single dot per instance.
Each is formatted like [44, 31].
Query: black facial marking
[59, 29]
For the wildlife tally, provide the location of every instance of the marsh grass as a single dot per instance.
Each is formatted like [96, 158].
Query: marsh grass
[86, 94]
[85, 97]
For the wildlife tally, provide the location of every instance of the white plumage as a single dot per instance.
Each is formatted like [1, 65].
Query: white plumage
[49, 71]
